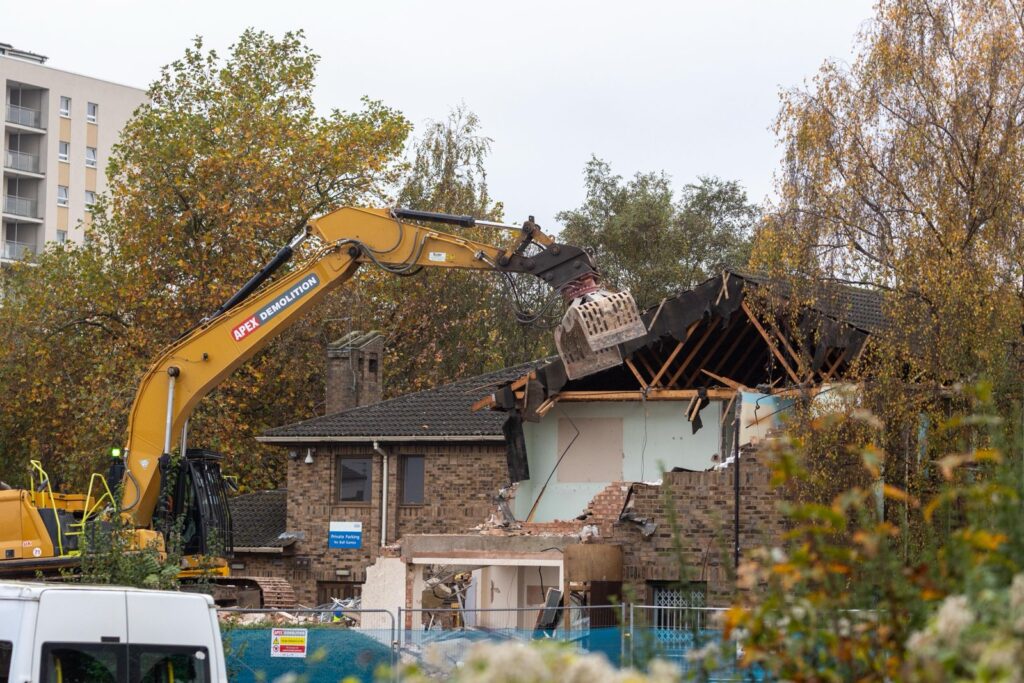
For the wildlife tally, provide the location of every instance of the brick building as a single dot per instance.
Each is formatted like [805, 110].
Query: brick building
[444, 465]
[601, 468]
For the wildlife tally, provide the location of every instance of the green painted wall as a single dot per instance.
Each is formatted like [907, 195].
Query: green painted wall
[655, 436]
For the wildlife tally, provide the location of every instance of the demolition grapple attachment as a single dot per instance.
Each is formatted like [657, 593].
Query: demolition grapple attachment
[592, 328]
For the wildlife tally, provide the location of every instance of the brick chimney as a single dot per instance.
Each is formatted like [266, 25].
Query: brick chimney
[354, 371]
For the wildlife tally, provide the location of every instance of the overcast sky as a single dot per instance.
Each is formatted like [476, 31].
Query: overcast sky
[688, 87]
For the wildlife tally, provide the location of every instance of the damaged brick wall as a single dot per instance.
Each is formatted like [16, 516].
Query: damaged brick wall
[704, 505]
[460, 482]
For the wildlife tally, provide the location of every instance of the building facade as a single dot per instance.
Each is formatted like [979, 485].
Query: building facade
[59, 128]
[371, 472]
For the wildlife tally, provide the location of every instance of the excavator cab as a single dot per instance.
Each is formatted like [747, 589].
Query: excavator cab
[199, 505]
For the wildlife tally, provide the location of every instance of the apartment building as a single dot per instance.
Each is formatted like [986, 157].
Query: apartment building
[59, 128]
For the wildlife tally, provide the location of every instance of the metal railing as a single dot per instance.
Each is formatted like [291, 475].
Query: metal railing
[22, 161]
[340, 643]
[439, 640]
[21, 206]
[24, 116]
[16, 251]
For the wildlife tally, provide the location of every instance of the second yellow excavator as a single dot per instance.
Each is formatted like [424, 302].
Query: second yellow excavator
[41, 530]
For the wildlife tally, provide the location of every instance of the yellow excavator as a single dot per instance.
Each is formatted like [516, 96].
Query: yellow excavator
[42, 530]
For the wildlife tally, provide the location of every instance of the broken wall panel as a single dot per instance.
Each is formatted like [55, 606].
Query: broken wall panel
[655, 434]
[590, 449]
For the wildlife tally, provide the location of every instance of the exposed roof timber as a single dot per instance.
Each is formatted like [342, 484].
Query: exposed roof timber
[712, 331]
[771, 344]
[692, 353]
[651, 395]
[668, 361]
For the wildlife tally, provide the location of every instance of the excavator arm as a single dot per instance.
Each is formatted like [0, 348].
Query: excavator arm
[350, 237]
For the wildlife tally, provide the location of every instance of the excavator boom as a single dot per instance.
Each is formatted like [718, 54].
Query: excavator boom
[185, 372]
[190, 368]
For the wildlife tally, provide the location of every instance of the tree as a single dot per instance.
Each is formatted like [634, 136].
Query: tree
[445, 324]
[224, 164]
[903, 171]
[648, 242]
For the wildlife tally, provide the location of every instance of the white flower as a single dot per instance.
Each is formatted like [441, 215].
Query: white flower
[587, 669]
[1017, 593]
[920, 642]
[661, 671]
[953, 617]
[708, 651]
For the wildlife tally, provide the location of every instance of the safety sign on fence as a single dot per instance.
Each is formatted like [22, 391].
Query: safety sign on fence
[288, 642]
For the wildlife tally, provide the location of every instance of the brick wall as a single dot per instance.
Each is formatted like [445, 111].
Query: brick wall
[460, 481]
[704, 505]
[353, 375]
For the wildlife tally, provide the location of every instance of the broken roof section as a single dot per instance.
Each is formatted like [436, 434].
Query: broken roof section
[710, 342]
[440, 414]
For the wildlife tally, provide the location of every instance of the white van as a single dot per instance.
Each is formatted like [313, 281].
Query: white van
[74, 633]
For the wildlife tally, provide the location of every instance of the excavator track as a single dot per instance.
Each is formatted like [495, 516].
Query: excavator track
[265, 592]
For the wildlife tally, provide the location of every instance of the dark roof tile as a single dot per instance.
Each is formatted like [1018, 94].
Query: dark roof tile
[435, 413]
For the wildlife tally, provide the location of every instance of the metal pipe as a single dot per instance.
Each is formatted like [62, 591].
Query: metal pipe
[383, 495]
[282, 256]
[736, 482]
[184, 438]
[172, 375]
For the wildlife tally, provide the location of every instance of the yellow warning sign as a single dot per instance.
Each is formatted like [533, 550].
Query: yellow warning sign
[288, 642]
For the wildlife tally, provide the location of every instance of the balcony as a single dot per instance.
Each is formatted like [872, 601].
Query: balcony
[21, 206]
[23, 116]
[17, 251]
[20, 161]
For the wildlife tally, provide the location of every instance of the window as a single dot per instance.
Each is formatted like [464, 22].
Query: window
[6, 647]
[90, 197]
[412, 480]
[96, 663]
[65, 106]
[90, 157]
[64, 151]
[168, 664]
[92, 111]
[355, 476]
[62, 236]
[117, 662]
[62, 195]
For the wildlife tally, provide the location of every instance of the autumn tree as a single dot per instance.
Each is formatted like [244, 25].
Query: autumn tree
[650, 241]
[903, 172]
[226, 161]
[444, 324]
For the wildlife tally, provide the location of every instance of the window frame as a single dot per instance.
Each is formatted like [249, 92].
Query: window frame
[94, 115]
[95, 157]
[66, 200]
[135, 651]
[89, 203]
[6, 648]
[402, 479]
[118, 649]
[64, 113]
[62, 236]
[64, 157]
[339, 483]
[128, 656]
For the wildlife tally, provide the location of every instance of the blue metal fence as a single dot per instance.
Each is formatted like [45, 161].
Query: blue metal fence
[374, 645]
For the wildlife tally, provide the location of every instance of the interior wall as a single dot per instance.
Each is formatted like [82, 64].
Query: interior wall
[656, 436]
